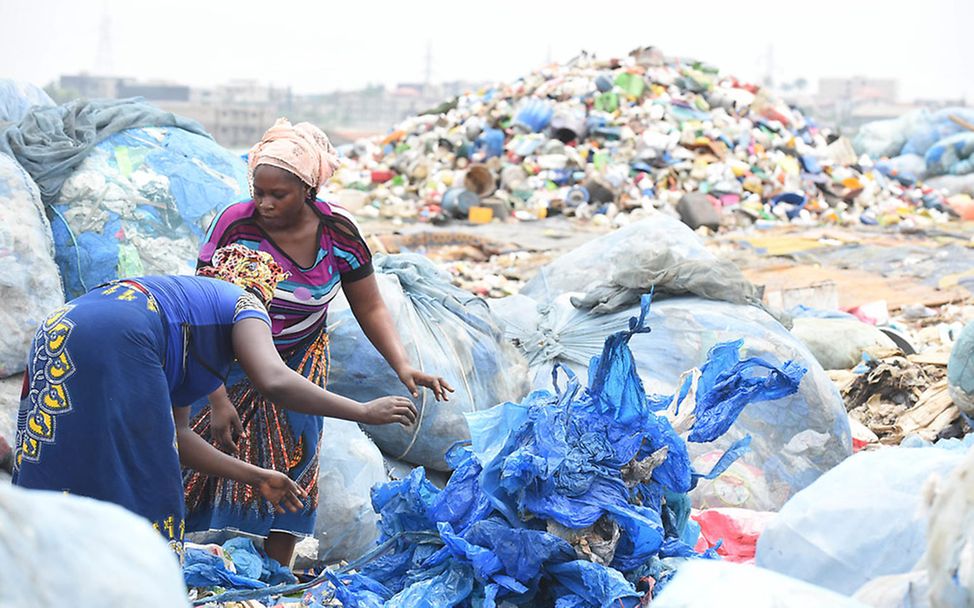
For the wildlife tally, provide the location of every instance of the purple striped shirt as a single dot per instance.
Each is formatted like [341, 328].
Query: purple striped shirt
[300, 304]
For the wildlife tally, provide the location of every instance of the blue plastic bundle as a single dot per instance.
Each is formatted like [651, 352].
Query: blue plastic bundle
[952, 155]
[568, 499]
[139, 204]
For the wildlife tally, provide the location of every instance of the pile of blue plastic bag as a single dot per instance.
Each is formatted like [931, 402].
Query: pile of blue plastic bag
[573, 498]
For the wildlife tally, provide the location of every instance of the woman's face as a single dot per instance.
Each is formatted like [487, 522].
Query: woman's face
[280, 196]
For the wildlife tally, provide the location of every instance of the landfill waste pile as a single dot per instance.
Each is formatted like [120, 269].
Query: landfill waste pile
[923, 144]
[57, 549]
[605, 140]
[30, 284]
[446, 332]
[576, 497]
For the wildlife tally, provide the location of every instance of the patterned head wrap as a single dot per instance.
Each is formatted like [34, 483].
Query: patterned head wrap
[302, 149]
[254, 271]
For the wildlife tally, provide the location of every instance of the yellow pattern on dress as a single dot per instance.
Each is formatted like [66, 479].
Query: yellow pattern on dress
[48, 396]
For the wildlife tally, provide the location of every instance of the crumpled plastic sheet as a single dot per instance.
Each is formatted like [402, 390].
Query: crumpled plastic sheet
[544, 479]
[251, 569]
[51, 141]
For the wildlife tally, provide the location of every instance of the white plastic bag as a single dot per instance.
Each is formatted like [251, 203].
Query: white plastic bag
[349, 466]
[703, 583]
[446, 332]
[861, 520]
[30, 284]
[62, 550]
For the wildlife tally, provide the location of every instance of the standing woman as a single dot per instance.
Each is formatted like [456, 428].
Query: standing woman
[321, 248]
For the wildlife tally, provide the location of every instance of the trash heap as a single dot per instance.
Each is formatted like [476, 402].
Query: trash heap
[604, 140]
[576, 497]
[937, 146]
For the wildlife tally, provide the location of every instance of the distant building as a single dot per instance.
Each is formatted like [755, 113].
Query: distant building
[90, 87]
[238, 112]
[858, 89]
[236, 126]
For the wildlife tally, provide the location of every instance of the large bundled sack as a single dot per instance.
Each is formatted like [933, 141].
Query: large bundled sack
[952, 184]
[660, 254]
[960, 371]
[950, 536]
[794, 439]
[707, 583]
[952, 155]
[840, 343]
[17, 98]
[888, 137]
[139, 204]
[446, 332]
[861, 520]
[30, 284]
[346, 527]
[942, 124]
[57, 549]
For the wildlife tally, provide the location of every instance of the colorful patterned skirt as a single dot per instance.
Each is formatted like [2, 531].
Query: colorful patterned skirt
[95, 416]
[278, 439]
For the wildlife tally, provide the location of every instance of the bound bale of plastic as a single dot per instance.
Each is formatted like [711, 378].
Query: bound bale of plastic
[960, 371]
[57, 549]
[794, 439]
[30, 284]
[861, 520]
[446, 332]
[839, 343]
[346, 527]
[17, 98]
[139, 204]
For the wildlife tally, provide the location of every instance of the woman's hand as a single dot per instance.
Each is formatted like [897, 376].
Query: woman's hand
[413, 378]
[225, 426]
[281, 491]
[387, 410]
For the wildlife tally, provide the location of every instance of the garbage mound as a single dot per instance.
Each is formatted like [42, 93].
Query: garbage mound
[859, 521]
[16, 98]
[139, 203]
[446, 332]
[30, 285]
[576, 497]
[94, 554]
[606, 140]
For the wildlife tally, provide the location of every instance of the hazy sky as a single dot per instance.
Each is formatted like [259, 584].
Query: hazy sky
[322, 45]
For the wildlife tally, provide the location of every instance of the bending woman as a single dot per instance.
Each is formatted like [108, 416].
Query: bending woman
[104, 410]
[320, 246]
